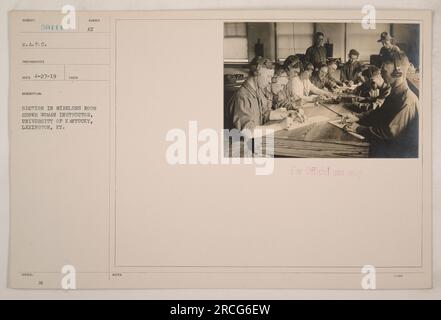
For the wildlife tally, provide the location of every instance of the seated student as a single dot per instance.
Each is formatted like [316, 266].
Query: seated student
[321, 80]
[306, 89]
[292, 65]
[392, 130]
[362, 81]
[279, 88]
[309, 67]
[251, 105]
[282, 98]
[303, 88]
[332, 73]
[362, 90]
[374, 90]
[350, 68]
[359, 77]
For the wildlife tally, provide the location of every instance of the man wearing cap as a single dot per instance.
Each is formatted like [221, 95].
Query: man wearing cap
[392, 130]
[350, 68]
[316, 54]
[250, 107]
[388, 46]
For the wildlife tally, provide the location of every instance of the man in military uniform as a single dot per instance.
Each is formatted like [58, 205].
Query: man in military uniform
[388, 47]
[316, 54]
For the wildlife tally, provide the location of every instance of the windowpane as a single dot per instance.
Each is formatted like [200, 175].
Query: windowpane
[235, 49]
[235, 29]
[235, 41]
[229, 29]
[241, 29]
[293, 38]
[364, 41]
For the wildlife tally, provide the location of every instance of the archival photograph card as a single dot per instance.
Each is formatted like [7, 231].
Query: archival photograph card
[220, 149]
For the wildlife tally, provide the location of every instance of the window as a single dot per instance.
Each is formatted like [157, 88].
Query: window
[364, 41]
[293, 38]
[235, 42]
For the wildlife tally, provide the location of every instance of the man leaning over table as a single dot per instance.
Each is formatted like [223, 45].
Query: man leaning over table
[321, 79]
[374, 90]
[332, 73]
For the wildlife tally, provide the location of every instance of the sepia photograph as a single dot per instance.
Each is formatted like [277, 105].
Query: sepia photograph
[328, 90]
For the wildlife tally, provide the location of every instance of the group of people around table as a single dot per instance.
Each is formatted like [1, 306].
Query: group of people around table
[387, 113]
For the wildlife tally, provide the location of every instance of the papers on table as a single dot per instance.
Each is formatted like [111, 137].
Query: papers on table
[341, 125]
[308, 122]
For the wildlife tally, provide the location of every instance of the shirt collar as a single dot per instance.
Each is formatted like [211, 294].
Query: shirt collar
[400, 88]
[246, 85]
[256, 93]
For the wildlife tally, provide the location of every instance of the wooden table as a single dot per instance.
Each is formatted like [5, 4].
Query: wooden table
[319, 140]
